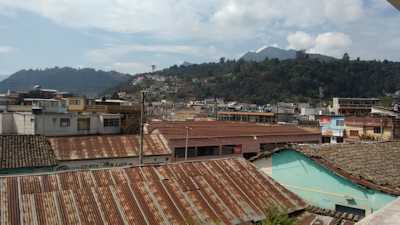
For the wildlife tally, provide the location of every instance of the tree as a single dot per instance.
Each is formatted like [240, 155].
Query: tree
[274, 216]
[346, 57]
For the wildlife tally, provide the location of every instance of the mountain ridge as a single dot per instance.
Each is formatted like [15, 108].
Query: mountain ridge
[85, 81]
[281, 54]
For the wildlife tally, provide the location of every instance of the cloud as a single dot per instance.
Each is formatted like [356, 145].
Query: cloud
[205, 19]
[7, 49]
[109, 53]
[330, 43]
[300, 41]
[130, 67]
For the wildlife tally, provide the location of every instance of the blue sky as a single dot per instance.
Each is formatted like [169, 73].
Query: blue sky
[130, 35]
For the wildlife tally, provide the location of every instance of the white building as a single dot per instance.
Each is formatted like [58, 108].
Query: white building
[59, 124]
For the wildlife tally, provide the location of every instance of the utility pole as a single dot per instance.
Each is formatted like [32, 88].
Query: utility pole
[142, 95]
[187, 142]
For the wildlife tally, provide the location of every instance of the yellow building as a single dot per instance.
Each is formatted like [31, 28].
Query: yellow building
[371, 128]
[76, 104]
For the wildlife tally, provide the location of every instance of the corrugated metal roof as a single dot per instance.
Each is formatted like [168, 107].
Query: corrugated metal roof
[25, 151]
[109, 146]
[211, 129]
[227, 191]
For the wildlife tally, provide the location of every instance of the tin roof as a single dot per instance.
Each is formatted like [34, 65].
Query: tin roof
[25, 151]
[227, 191]
[211, 129]
[247, 113]
[107, 146]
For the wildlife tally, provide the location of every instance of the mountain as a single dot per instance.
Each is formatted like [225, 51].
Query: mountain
[273, 80]
[79, 81]
[281, 54]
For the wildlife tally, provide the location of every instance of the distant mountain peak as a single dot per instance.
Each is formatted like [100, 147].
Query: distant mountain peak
[278, 53]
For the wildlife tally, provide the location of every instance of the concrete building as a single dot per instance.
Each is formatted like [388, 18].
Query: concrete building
[59, 124]
[353, 106]
[353, 178]
[377, 128]
[212, 139]
[332, 128]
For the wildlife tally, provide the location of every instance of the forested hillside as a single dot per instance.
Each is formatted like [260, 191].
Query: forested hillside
[80, 81]
[274, 80]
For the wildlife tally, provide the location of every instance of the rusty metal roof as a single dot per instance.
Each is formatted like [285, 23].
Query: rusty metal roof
[227, 191]
[212, 129]
[247, 113]
[107, 146]
[25, 151]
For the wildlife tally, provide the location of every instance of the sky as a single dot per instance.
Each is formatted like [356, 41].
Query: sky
[131, 35]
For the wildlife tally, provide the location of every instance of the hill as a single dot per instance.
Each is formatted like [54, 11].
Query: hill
[273, 80]
[281, 54]
[80, 81]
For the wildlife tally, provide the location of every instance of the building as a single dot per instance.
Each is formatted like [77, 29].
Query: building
[225, 191]
[332, 128]
[384, 111]
[40, 105]
[353, 106]
[355, 178]
[108, 150]
[388, 215]
[381, 128]
[59, 124]
[254, 117]
[25, 154]
[76, 104]
[210, 139]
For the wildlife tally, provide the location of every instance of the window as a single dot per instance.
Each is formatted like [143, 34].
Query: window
[339, 123]
[65, 122]
[83, 123]
[377, 130]
[228, 149]
[111, 122]
[207, 151]
[180, 152]
[351, 210]
[354, 133]
[75, 102]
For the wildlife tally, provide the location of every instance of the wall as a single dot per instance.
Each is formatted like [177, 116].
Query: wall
[49, 124]
[249, 144]
[23, 123]
[99, 163]
[319, 186]
[369, 131]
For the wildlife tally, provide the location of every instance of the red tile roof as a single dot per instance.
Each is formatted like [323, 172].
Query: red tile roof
[228, 191]
[372, 165]
[108, 146]
[25, 151]
[211, 129]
